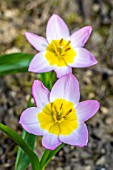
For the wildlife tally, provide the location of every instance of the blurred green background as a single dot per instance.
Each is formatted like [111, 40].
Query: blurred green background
[17, 17]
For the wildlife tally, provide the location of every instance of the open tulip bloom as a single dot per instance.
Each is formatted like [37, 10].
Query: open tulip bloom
[60, 51]
[59, 116]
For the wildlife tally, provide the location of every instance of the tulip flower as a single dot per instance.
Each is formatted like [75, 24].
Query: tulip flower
[60, 51]
[58, 115]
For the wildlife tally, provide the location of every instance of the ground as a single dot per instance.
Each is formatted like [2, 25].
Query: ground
[17, 17]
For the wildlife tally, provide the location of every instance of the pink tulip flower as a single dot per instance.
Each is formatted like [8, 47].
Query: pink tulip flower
[58, 115]
[60, 51]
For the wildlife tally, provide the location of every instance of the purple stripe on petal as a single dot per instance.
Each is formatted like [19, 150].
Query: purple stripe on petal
[87, 109]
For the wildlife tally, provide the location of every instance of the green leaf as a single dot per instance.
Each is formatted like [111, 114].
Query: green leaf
[48, 79]
[13, 135]
[47, 155]
[22, 160]
[14, 63]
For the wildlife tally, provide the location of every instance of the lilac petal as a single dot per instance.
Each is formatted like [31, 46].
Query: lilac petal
[83, 58]
[87, 109]
[56, 28]
[29, 121]
[39, 64]
[66, 87]
[60, 71]
[50, 141]
[40, 94]
[78, 137]
[79, 38]
[36, 41]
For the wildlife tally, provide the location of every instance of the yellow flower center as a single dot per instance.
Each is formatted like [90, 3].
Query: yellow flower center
[58, 117]
[60, 53]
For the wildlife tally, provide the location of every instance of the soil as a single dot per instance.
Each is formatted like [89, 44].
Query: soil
[17, 17]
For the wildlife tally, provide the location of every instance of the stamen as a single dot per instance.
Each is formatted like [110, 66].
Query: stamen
[52, 109]
[69, 111]
[60, 41]
[56, 48]
[55, 109]
[61, 106]
[67, 44]
[51, 105]
[53, 113]
[67, 49]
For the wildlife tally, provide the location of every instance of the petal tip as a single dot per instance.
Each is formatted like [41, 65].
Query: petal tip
[30, 69]
[35, 84]
[27, 34]
[55, 16]
[97, 104]
[20, 121]
[94, 62]
[89, 28]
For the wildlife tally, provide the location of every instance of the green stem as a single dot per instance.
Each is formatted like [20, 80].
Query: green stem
[44, 157]
[47, 156]
[13, 135]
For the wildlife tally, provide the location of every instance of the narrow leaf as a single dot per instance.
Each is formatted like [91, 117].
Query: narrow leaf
[14, 63]
[47, 156]
[13, 135]
[47, 79]
[22, 159]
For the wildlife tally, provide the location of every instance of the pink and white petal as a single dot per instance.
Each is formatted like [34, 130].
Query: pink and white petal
[56, 28]
[40, 94]
[80, 37]
[66, 87]
[39, 64]
[78, 137]
[50, 141]
[83, 58]
[38, 42]
[60, 71]
[29, 121]
[87, 109]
